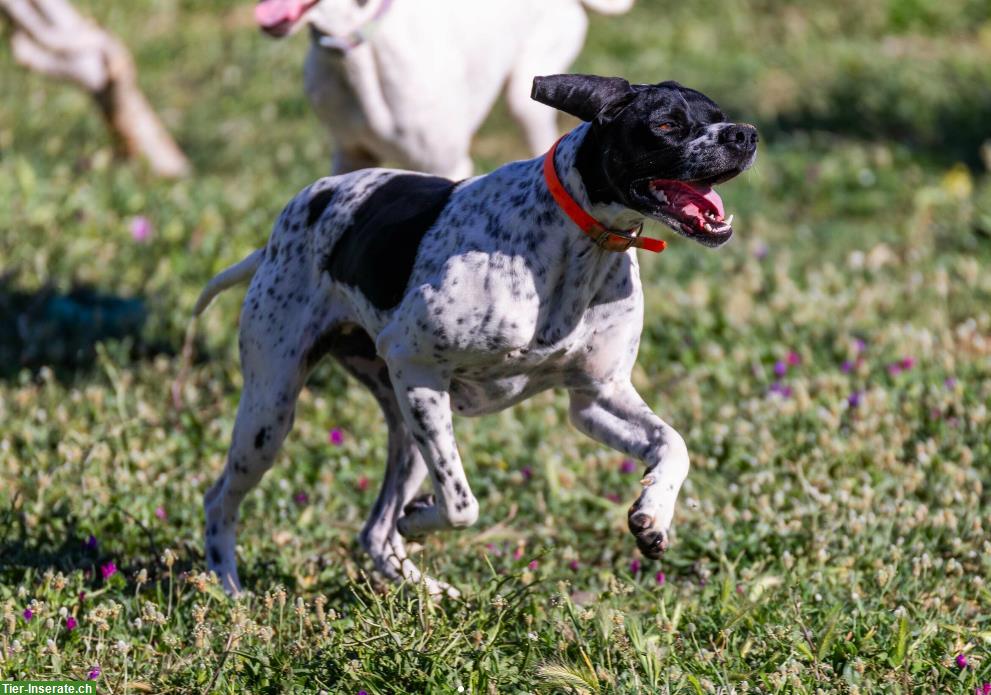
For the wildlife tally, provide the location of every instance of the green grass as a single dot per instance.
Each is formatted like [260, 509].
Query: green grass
[820, 546]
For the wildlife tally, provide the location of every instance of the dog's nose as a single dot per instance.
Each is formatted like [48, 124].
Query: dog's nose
[742, 136]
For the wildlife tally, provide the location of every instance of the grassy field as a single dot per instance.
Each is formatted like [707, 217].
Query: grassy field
[830, 370]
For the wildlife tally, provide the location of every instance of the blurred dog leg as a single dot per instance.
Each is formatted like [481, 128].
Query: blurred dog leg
[52, 38]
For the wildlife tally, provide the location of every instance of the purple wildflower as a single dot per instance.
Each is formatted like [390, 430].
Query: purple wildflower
[634, 566]
[853, 400]
[859, 344]
[628, 466]
[847, 366]
[793, 359]
[760, 250]
[961, 661]
[526, 472]
[91, 543]
[108, 570]
[950, 383]
[780, 368]
[336, 436]
[301, 498]
[28, 614]
[533, 565]
[140, 229]
[573, 565]
[781, 389]
[906, 363]
[362, 692]
[70, 624]
[160, 513]
[94, 673]
[661, 578]
[613, 497]
[983, 689]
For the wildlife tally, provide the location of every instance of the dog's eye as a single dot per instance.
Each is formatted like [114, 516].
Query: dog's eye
[664, 127]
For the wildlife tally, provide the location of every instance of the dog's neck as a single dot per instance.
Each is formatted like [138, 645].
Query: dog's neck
[581, 172]
[578, 274]
[339, 20]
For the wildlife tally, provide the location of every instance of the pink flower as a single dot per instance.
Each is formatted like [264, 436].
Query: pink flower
[533, 565]
[362, 483]
[793, 359]
[906, 363]
[70, 624]
[847, 366]
[526, 472]
[140, 229]
[983, 689]
[628, 466]
[108, 570]
[518, 553]
[613, 497]
[962, 661]
[573, 565]
[660, 578]
[160, 513]
[94, 673]
[28, 614]
[336, 436]
[634, 566]
[301, 498]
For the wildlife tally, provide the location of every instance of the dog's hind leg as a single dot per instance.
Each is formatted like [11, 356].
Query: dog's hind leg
[405, 469]
[273, 376]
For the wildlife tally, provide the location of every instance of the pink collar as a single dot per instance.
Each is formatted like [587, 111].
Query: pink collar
[350, 41]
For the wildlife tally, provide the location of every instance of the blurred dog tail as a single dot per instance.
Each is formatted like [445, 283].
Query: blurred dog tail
[235, 275]
[609, 6]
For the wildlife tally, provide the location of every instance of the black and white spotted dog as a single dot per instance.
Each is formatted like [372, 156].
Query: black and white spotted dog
[468, 297]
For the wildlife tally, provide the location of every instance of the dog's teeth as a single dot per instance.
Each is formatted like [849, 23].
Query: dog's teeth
[729, 221]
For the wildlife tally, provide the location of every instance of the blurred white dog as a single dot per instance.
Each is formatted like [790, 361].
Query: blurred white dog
[410, 81]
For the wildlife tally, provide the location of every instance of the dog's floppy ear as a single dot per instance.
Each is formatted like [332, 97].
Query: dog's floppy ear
[583, 96]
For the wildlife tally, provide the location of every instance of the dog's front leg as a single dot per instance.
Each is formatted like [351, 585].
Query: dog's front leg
[426, 407]
[616, 415]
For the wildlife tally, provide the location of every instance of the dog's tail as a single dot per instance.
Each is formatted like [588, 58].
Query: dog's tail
[609, 6]
[235, 275]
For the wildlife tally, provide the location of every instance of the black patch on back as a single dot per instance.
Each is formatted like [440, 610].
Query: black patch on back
[318, 203]
[376, 253]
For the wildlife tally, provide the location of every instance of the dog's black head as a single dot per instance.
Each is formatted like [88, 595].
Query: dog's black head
[656, 149]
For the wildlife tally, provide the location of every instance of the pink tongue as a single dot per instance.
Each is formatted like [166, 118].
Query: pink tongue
[709, 193]
[271, 13]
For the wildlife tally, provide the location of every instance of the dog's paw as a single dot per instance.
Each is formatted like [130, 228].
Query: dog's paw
[407, 529]
[418, 503]
[651, 541]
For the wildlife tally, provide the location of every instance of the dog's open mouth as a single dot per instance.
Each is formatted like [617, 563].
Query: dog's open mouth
[693, 209]
[278, 17]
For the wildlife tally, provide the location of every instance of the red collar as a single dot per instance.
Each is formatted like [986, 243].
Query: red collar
[604, 238]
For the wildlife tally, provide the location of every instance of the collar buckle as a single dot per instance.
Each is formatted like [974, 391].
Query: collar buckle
[608, 239]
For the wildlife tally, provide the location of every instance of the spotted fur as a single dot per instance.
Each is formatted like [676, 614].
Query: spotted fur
[499, 297]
